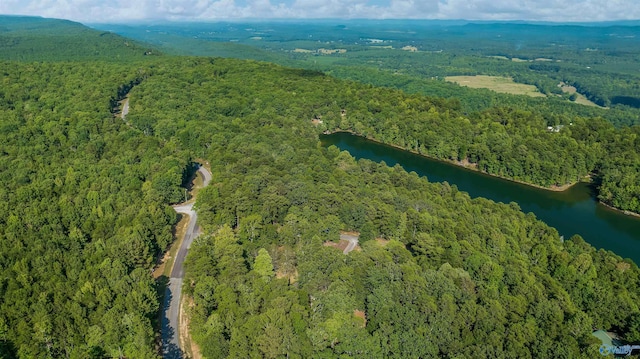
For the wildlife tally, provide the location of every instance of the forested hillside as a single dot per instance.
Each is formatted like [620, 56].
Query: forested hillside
[598, 60]
[84, 214]
[41, 39]
[503, 141]
[500, 134]
[458, 277]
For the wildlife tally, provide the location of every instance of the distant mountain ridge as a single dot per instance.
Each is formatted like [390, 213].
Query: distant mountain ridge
[29, 38]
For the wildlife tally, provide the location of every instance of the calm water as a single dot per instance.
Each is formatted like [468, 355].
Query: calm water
[574, 211]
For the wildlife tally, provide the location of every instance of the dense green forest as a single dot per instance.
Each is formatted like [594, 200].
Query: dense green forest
[459, 277]
[500, 134]
[506, 142]
[84, 214]
[599, 60]
[41, 39]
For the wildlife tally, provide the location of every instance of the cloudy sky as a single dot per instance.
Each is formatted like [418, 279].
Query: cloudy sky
[96, 11]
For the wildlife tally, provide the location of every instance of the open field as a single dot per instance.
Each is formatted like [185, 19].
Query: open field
[580, 99]
[495, 83]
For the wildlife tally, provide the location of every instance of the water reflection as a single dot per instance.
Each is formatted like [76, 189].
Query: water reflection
[574, 211]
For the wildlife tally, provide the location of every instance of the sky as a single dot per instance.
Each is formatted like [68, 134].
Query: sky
[105, 11]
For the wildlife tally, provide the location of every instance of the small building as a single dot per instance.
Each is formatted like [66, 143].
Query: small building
[555, 128]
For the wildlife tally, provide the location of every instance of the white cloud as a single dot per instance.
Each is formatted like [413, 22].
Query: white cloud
[542, 10]
[131, 10]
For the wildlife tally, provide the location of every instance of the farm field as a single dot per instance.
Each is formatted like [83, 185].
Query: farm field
[497, 84]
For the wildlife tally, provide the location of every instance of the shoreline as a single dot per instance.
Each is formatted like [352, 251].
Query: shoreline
[472, 167]
[464, 164]
[624, 211]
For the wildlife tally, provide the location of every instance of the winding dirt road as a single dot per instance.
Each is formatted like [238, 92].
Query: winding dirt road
[171, 314]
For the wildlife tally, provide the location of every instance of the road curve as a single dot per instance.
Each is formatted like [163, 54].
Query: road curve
[171, 313]
[352, 239]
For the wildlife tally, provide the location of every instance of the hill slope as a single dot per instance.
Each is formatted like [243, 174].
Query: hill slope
[41, 39]
[83, 213]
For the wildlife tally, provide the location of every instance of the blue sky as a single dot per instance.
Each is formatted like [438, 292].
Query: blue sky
[97, 11]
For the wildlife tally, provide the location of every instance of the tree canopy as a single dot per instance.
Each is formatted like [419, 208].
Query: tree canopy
[84, 213]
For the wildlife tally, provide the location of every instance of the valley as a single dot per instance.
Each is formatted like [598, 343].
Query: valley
[452, 261]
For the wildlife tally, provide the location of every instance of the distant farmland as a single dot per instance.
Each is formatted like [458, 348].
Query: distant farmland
[496, 83]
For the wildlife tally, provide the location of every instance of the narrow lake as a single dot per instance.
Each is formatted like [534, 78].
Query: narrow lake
[574, 211]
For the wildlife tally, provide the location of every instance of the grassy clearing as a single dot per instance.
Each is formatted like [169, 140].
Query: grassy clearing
[580, 99]
[496, 83]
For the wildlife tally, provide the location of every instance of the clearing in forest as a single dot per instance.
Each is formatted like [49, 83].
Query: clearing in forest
[581, 99]
[496, 83]
[348, 242]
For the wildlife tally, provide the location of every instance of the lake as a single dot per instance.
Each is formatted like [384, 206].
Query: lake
[574, 211]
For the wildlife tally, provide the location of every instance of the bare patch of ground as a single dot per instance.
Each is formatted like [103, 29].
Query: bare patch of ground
[564, 187]
[352, 238]
[186, 342]
[360, 314]
[348, 242]
[292, 276]
[497, 84]
[349, 233]
[341, 245]
[465, 163]
[626, 212]
[205, 164]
